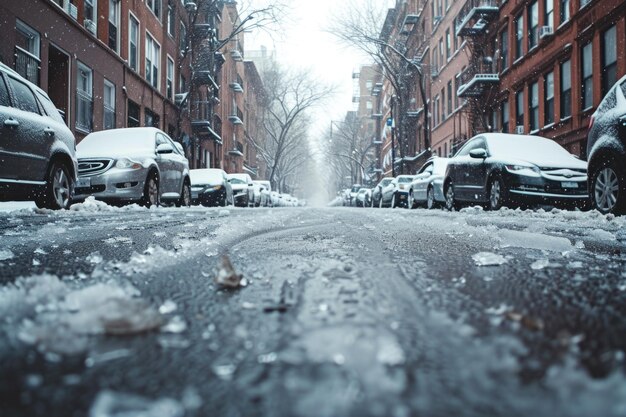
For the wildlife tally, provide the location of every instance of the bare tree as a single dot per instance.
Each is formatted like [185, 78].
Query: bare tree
[289, 98]
[359, 26]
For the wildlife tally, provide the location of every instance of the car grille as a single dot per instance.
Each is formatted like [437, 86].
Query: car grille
[90, 190]
[87, 167]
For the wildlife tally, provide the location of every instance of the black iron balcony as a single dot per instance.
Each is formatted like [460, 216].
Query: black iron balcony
[202, 30]
[27, 65]
[203, 129]
[204, 77]
[237, 88]
[475, 16]
[237, 149]
[410, 20]
[476, 79]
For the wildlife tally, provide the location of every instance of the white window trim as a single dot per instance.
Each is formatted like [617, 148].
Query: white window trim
[132, 17]
[159, 66]
[111, 107]
[158, 18]
[173, 78]
[88, 94]
[95, 14]
[118, 25]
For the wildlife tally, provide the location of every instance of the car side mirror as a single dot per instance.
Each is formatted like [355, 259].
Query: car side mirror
[478, 153]
[164, 148]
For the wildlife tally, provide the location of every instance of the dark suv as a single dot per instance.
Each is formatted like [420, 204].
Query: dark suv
[37, 150]
[606, 150]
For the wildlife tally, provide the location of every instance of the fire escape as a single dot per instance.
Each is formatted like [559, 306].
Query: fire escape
[480, 78]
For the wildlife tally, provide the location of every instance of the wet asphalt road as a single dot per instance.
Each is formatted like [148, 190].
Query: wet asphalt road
[348, 312]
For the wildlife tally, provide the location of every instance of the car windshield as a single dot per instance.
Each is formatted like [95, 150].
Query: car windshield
[235, 180]
[205, 176]
[386, 181]
[527, 148]
[355, 189]
[129, 141]
[404, 180]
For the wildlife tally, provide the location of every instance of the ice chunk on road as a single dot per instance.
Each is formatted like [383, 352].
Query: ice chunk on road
[226, 275]
[528, 240]
[114, 404]
[168, 307]
[91, 205]
[5, 255]
[488, 259]
[540, 264]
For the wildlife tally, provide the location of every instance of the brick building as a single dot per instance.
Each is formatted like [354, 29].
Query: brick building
[105, 63]
[254, 96]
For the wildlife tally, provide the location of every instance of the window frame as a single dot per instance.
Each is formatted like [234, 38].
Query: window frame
[111, 105]
[85, 97]
[133, 19]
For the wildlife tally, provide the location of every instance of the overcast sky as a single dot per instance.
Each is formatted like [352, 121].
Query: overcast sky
[304, 43]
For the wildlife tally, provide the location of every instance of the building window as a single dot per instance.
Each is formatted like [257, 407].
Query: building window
[153, 57]
[182, 42]
[90, 12]
[114, 23]
[155, 6]
[84, 98]
[448, 44]
[586, 96]
[436, 121]
[504, 116]
[171, 20]
[170, 78]
[519, 108]
[519, 36]
[549, 98]
[548, 17]
[133, 114]
[564, 11]
[133, 42]
[441, 61]
[566, 89]
[443, 104]
[450, 109]
[457, 103]
[533, 25]
[182, 83]
[504, 49]
[109, 105]
[27, 48]
[151, 119]
[533, 106]
[609, 60]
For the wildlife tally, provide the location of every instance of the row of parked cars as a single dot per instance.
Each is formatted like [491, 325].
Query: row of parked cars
[40, 161]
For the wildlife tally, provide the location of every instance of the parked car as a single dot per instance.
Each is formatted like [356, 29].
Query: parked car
[210, 187]
[606, 150]
[242, 189]
[377, 191]
[139, 164]
[352, 195]
[275, 198]
[396, 193]
[37, 150]
[364, 197]
[427, 187]
[500, 169]
[265, 189]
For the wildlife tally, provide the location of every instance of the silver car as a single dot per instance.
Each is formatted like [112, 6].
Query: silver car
[210, 187]
[37, 150]
[243, 189]
[139, 164]
[427, 187]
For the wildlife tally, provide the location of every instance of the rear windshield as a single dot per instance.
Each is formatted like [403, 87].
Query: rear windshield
[234, 180]
[202, 176]
[404, 180]
[49, 108]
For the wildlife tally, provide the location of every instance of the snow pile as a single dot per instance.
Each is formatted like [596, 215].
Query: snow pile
[91, 205]
[529, 240]
[488, 259]
[114, 404]
[5, 255]
[56, 316]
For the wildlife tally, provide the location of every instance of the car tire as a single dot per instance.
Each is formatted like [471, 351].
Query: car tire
[380, 202]
[497, 193]
[185, 196]
[58, 191]
[151, 195]
[411, 201]
[608, 188]
[451, 203]
[393, 201]
[430, 198]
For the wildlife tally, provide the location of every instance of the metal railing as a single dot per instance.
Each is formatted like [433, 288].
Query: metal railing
[470, 8]
[27, 65]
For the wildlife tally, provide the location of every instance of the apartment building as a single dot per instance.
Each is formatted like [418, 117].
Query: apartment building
[254, 96]
[546, 64]
[105, 63]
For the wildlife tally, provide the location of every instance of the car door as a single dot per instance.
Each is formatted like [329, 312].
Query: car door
[167, 167]
[459, 166]
[26, 139]
[420, 184]
[476, 173]
[180, 165]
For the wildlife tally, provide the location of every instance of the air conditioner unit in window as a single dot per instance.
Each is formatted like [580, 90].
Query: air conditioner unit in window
[545, 31]
[90, 26]
[71, 9]
[519, 129]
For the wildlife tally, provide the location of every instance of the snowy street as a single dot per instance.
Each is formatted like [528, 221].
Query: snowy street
[341, 312]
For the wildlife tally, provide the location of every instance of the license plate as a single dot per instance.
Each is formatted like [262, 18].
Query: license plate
[569, 184]
[83, 183]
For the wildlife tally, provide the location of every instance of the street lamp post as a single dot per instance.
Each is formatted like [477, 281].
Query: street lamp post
[393, 140]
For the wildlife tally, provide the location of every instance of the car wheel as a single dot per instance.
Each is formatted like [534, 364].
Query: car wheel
[497, 193]
[380, 202]
[151, 191]
[185, 196]
[411, 201]
[608, 191]
[57, 193]
[430, 198]
[451, 203]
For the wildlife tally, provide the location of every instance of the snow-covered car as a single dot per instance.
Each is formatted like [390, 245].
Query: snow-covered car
[210, 187]
[139, 164]
[265, 188]
[37, 150]
[606, 147]
[377, 191]
[427, 187]
[352, 195]
[396, 193]
[243, 189]
[275, 198]
[364, 197]
[499, 169]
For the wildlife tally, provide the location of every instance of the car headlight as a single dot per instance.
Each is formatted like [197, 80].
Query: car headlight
[528, 170]
[125, 163]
